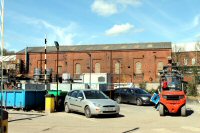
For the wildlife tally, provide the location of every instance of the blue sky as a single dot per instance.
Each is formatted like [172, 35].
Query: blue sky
[76, 22]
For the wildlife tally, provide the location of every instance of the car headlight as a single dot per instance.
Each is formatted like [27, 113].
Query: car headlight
[164, 96]
[97, 104]
[144, 98]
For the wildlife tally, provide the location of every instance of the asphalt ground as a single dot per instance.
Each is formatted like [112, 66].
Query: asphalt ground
[132, 119]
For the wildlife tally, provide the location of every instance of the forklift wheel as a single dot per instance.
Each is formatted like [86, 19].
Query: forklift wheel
[161, 110]
[183, 111]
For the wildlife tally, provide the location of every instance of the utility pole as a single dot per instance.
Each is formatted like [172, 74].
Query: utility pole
[2, 48]
[45, 62]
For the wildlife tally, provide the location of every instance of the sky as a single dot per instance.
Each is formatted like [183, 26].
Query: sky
[85, 22]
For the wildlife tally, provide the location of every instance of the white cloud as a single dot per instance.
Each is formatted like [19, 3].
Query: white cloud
[104, 8]
[119, 29]
[130, 2]
[110, 7]
[64, 35]
[196, 21]
[183, 46]
[61, 34]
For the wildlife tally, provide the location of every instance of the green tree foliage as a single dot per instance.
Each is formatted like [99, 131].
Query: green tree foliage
[143, 85]
[7, 52]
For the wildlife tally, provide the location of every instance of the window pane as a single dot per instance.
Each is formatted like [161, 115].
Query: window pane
[160, 66]
[193, 61]
[138, 68]
[74, 94]
[80, 94]
[60, 69]
[185, 61]
[78, 69]
[117, 68]
[97, 67]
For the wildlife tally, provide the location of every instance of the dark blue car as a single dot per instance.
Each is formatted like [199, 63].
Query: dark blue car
[132, 95]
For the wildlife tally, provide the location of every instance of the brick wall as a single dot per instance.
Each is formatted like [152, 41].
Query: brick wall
[107, 59]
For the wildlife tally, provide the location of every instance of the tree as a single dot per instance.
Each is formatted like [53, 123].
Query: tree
[6, 52]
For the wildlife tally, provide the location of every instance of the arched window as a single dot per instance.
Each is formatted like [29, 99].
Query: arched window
[117, 68]
[160, 66]
[138, 68]
[185, 61]
[97, 68]
[78, 68]
[193, 61]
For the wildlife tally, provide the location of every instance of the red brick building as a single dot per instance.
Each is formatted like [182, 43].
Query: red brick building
[136, 62]
[188, 62]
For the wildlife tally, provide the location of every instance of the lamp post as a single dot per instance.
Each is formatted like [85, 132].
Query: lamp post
[90, 67]
[57, 47]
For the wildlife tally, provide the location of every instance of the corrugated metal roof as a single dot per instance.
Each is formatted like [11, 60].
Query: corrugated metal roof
[8, 58]
[78, 48]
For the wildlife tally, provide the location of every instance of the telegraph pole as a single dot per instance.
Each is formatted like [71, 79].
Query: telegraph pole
[2, 47]
[45, 62]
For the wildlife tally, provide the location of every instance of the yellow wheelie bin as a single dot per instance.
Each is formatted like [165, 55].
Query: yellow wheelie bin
[49, 103]
[3, 121]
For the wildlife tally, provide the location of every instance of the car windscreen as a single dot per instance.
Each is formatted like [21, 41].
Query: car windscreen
[141, 91]
[94, 95]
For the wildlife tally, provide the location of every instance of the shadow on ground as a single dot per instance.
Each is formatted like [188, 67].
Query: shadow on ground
[189, 112]
[30, 116]
[101, 116]
[132, 130]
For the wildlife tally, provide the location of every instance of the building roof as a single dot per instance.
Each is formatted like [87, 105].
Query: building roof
[98, 47]
[8, 58]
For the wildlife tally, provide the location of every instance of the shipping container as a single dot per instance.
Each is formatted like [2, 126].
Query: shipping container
[24, 99]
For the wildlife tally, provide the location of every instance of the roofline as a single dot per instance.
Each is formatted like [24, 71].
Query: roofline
[40, 47]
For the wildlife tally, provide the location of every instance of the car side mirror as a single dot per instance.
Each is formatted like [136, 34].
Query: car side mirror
[81, 98]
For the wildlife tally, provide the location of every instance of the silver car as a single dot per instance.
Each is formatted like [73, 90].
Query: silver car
[90, 102]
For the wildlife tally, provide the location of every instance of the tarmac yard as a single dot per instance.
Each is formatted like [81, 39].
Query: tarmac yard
[132, 119]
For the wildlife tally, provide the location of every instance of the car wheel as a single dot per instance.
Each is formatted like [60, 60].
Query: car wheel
[118, 99]
[161, 110]
[183, 111]
[88, 112]
[139, 102]
[117, 115]
[67, 109]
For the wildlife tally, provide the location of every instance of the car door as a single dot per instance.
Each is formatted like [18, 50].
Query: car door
[124, 95]
[132, 97]
[72, 100]
[80, 102]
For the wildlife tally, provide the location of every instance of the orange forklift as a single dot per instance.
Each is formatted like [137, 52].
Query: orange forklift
[172, 91]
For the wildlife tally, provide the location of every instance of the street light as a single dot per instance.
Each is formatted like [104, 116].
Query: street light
[90, 68]
[57, 47]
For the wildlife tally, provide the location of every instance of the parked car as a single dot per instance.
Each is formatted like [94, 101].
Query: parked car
[132, 95]
[90, 102]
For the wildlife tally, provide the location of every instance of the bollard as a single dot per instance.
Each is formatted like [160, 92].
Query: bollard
[49, 103]
[4, 122]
